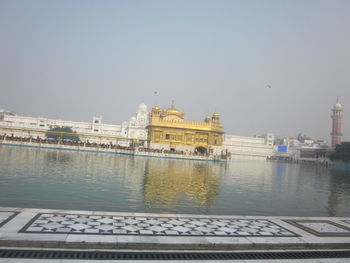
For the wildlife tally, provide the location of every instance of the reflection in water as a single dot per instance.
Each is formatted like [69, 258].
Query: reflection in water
[90, 181]
[175, 183]
[58, 157]
[339, 191]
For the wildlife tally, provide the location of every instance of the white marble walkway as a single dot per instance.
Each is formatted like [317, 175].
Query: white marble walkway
[109, 230]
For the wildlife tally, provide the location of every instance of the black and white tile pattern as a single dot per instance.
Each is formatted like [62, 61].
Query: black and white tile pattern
[153, 226]
[6, 216]
[346, 221]
[321, 228]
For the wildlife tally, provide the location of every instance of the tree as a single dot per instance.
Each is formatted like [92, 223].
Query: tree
[63, 133]
[341, 153]
[301, 138]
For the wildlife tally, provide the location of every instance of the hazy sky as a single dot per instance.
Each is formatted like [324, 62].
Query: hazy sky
[76, 59]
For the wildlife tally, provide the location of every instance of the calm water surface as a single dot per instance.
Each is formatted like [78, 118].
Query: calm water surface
[89, 181]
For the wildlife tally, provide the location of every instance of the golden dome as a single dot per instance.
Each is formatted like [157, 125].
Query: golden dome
[155, 108]
[215, 117]
[173, 113]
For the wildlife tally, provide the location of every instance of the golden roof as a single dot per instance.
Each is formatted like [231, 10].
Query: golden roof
[172, 112]
[155, 108]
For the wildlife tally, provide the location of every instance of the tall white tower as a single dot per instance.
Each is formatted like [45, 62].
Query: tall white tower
[337, 116]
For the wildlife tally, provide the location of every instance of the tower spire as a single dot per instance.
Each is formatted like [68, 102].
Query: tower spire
[337, 116]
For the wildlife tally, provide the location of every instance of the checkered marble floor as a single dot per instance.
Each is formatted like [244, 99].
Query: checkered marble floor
[6, 216]
[114, 230]
[153, 226]
[346, 221]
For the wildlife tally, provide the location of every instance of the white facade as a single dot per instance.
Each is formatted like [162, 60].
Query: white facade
[99, 132]
[136, 127]
[240, 146]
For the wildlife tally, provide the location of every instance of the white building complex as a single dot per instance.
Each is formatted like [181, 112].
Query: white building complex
[93, 132]
[11, 124]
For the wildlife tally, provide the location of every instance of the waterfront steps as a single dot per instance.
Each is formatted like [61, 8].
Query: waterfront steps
[44, 228]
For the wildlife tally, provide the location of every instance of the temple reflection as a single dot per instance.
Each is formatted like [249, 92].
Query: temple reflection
[170, 184]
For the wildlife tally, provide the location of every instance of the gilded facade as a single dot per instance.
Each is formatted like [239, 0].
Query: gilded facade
[167, 129]
[182, 183]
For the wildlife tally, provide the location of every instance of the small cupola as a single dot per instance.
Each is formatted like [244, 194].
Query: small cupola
[216, 117]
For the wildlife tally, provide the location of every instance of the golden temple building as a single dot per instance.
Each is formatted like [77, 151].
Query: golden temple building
[168, 130]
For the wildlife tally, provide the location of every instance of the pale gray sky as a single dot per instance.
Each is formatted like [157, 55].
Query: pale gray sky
[75, 59]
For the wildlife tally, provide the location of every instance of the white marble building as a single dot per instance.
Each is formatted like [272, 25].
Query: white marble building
[260, 146]
[94, 131]
[135, 128]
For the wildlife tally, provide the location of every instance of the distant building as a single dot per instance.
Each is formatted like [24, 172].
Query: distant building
[136, 127]
[306, 150]
[158, 129]
[168, 130]
[260, 146]
[337, 116]
[94, 131]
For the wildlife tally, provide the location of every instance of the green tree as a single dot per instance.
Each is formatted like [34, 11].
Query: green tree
[62, 133]
[341, 153]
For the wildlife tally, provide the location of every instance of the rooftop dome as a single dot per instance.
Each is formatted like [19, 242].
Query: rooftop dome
[155, 108]
[215, 117]
[173, 113]
[338, 106]
[207, 118]
[143, 107]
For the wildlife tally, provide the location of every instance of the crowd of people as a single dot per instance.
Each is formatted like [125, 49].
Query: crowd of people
[111, 145]
[63, 142]
[172, 151]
